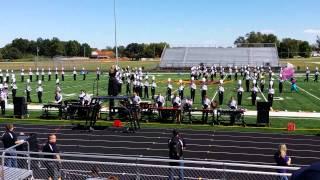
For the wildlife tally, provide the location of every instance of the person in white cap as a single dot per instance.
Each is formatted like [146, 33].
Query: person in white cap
[83, 72]
[28, 91]
[128, 89]
[153, 87]
[56, 73]
[247, 77]
[49, 74]
[146, 88]
[307, 74]
[98, 72]
[236, 73]
[14, 88]
[316, 75]
[42, 74]
[169, 89]
[3, 98]
[13, 75]
[221, 92]
[230, 73]
[1, 76]
[39, 91]
[280, 83]
[74, 74]
[30, 74]
[270, 94]
[270, 72]
[239, 92]
[204, 89]
[62, 73]
[7, 76]
[37, 74]
[205, 107]
[22, 75]
[254, 92]
[262, 83]
[181, 89]
[193, 88]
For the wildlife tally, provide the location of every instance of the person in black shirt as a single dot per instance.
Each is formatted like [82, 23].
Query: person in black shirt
[176, 146]
[9, 139]
[53, 167]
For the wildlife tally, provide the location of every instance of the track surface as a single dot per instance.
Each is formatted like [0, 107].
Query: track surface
[242, 147]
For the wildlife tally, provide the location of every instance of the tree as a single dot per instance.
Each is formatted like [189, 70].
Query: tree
[240, 40]
[73, 48]
[86, 50]
[10, 52]
[56, 47]
[134, 51]
[21, 44]
[304, 49]
[1, 56]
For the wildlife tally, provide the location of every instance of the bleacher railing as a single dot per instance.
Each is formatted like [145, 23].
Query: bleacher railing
[80, 166]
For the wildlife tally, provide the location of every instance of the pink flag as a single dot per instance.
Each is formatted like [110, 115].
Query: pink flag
[288, 72]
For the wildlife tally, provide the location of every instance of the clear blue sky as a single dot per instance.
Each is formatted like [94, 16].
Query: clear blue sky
[217, 22]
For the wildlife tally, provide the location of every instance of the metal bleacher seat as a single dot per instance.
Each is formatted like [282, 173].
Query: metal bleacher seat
[188, 56]
[11, 173]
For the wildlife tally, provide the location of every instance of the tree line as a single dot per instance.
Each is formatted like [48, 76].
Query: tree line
[24, 48]
[287, 47]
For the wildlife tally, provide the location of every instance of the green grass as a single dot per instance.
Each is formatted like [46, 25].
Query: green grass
[302, 63]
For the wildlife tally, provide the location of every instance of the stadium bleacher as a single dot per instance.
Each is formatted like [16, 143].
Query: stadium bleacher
[181, 57]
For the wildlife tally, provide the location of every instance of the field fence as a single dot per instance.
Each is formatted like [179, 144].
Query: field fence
[78, 166]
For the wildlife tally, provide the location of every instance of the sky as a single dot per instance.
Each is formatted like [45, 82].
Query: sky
[178, 22]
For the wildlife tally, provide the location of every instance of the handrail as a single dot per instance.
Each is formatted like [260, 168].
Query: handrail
[141, 158]
[13, 148]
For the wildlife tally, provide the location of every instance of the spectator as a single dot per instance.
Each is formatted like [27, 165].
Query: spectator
[95, 171]
[9, 139]
[53, 167]
[282, 159]
[176, 146]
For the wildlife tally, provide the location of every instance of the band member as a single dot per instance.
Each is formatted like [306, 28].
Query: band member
[221, 72]
[232, 105]
[159, 100]
[28, 90]
[316, 75]
[169, 89]
[262, 82]
[204, 89]
[136, 99]
[153, 87]
[239, 92]
[146, 88]
[230, 73]
[1, 76]
[74, 74]
[254, 92]
[42, 74]
[236, 73]
[84, 98]
[193, 88]
[221, 92]
[98, 72]
[294, 86]
[14, 88]
[37, 74]
[3, 99]
[7, 76]
[241, 71]
[270, 94]
[56, 73]
[247, 77]
[212, 73]
[30, 74]
[176, 103]
[62, 73]
[205, 109]
[140, 86]
[22, 75]
[270, 73]
[49, 74]
[13, 75]
[58, 97]
[181, 89]
[128, 89]
[280, 84]
[83, 73]
[119, 79]
[307, 74]
[39, 91]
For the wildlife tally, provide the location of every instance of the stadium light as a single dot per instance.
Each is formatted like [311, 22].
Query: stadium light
[115, 30]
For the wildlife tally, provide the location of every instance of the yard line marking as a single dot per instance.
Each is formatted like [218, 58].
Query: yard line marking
[309, 93]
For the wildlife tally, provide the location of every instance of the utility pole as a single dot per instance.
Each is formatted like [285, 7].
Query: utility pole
[115, 30]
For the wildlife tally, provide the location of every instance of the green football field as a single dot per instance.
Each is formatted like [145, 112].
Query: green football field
[307, 100]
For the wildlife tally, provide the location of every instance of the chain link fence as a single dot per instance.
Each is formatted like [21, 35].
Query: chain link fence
[77, 166]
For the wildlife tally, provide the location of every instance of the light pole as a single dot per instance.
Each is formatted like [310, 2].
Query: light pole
[115, 30]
